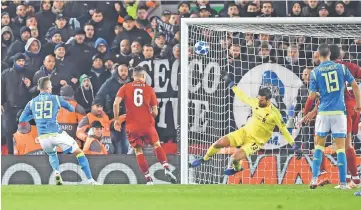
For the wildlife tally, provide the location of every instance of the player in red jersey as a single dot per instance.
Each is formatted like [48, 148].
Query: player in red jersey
[141, 108]
[353, 117]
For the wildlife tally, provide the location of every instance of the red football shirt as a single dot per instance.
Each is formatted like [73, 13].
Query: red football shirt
[355, 71]
[138, 98]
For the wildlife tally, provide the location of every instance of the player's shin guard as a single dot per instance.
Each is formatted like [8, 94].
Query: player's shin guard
[342, 165]
[142, 163]
[161, 156]
[210, 152]
[84, 164]
[54, 161]
[351, 164]
[317, 160]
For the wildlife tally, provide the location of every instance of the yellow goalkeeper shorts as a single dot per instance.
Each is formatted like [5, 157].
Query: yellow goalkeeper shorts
[240, 138]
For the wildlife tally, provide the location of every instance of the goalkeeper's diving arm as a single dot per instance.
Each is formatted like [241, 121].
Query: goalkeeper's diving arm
[237, 91]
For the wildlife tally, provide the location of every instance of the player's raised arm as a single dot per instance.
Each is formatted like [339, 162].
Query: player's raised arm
[26, 115]
[63, 103]
[238, 92]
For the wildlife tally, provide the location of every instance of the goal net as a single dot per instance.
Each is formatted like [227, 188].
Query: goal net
[277, 53]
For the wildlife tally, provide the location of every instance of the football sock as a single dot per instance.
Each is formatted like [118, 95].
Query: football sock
[237, 165]
[342, 165]
[54, 161]
[351, 161]
[84, 165]
[142, 163]
[211, 151]
[161, 156]
[317, 159]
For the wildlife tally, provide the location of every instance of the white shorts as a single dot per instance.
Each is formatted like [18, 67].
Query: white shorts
[49, 142]
[337, 124]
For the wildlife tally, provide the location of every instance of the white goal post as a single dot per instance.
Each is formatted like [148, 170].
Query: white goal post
[207, 108]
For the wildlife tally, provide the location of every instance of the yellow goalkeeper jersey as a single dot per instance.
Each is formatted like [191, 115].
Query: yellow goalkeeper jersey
[263, 120]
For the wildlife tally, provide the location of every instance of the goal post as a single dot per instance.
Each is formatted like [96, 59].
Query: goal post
[258, 52]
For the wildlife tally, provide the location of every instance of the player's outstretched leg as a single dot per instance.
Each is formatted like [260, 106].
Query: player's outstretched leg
[54, 162]
[237, 159]
[212, 150]
[354, 180]
[162, 158]
[84, 165]
[317, 160]
[143, 164]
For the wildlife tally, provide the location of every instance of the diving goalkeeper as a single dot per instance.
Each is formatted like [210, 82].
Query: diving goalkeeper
[257, 131]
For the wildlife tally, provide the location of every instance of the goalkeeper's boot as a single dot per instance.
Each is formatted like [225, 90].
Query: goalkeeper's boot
[58, 179]
[323, 182]
[93, 182]
[232, 171]
[170, 176]
[357, 193]
[313, 184]
[149, 180]
[197, 162]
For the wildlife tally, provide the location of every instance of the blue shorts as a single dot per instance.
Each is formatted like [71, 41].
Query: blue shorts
[337, 124]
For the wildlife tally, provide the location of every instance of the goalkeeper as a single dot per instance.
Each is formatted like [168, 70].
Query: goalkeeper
[257, 131]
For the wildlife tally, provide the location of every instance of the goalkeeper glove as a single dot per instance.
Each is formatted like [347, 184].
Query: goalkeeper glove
[227, 79]
[298, 151]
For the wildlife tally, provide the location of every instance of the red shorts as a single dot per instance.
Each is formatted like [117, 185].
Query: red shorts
[353, 118]
[144, 137]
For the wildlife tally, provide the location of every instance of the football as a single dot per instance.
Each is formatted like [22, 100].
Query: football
[201, 48]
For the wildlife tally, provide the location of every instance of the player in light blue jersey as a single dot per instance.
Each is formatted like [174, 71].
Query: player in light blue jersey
[328, 79]
[44, 110]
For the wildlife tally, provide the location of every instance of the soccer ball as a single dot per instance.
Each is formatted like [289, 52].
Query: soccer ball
[201, 48]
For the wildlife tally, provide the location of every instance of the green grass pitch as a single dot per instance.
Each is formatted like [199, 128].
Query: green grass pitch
[177, 197]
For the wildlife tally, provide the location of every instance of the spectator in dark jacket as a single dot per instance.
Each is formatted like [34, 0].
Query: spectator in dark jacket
[19, 20]
[124, 56]
[48, 47]
[33, 57]
[267, 9]
[18, 45]
[323, 11]
[340, 10]
[65, 67]
[45, 17]
[296, 9]
[130, 33]
[15, 94]
[102, 27]
[109, 89]
[142, 21]
[5, 19]
[63, 28]
[7, 38]
[310, 10]
[102, 48]
[84, 95]
[49, 70]
[80, 53]
[90, 37]
[98, 74]
[159, 44]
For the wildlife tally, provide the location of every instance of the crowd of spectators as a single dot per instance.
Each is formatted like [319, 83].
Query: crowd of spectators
[88, 47]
